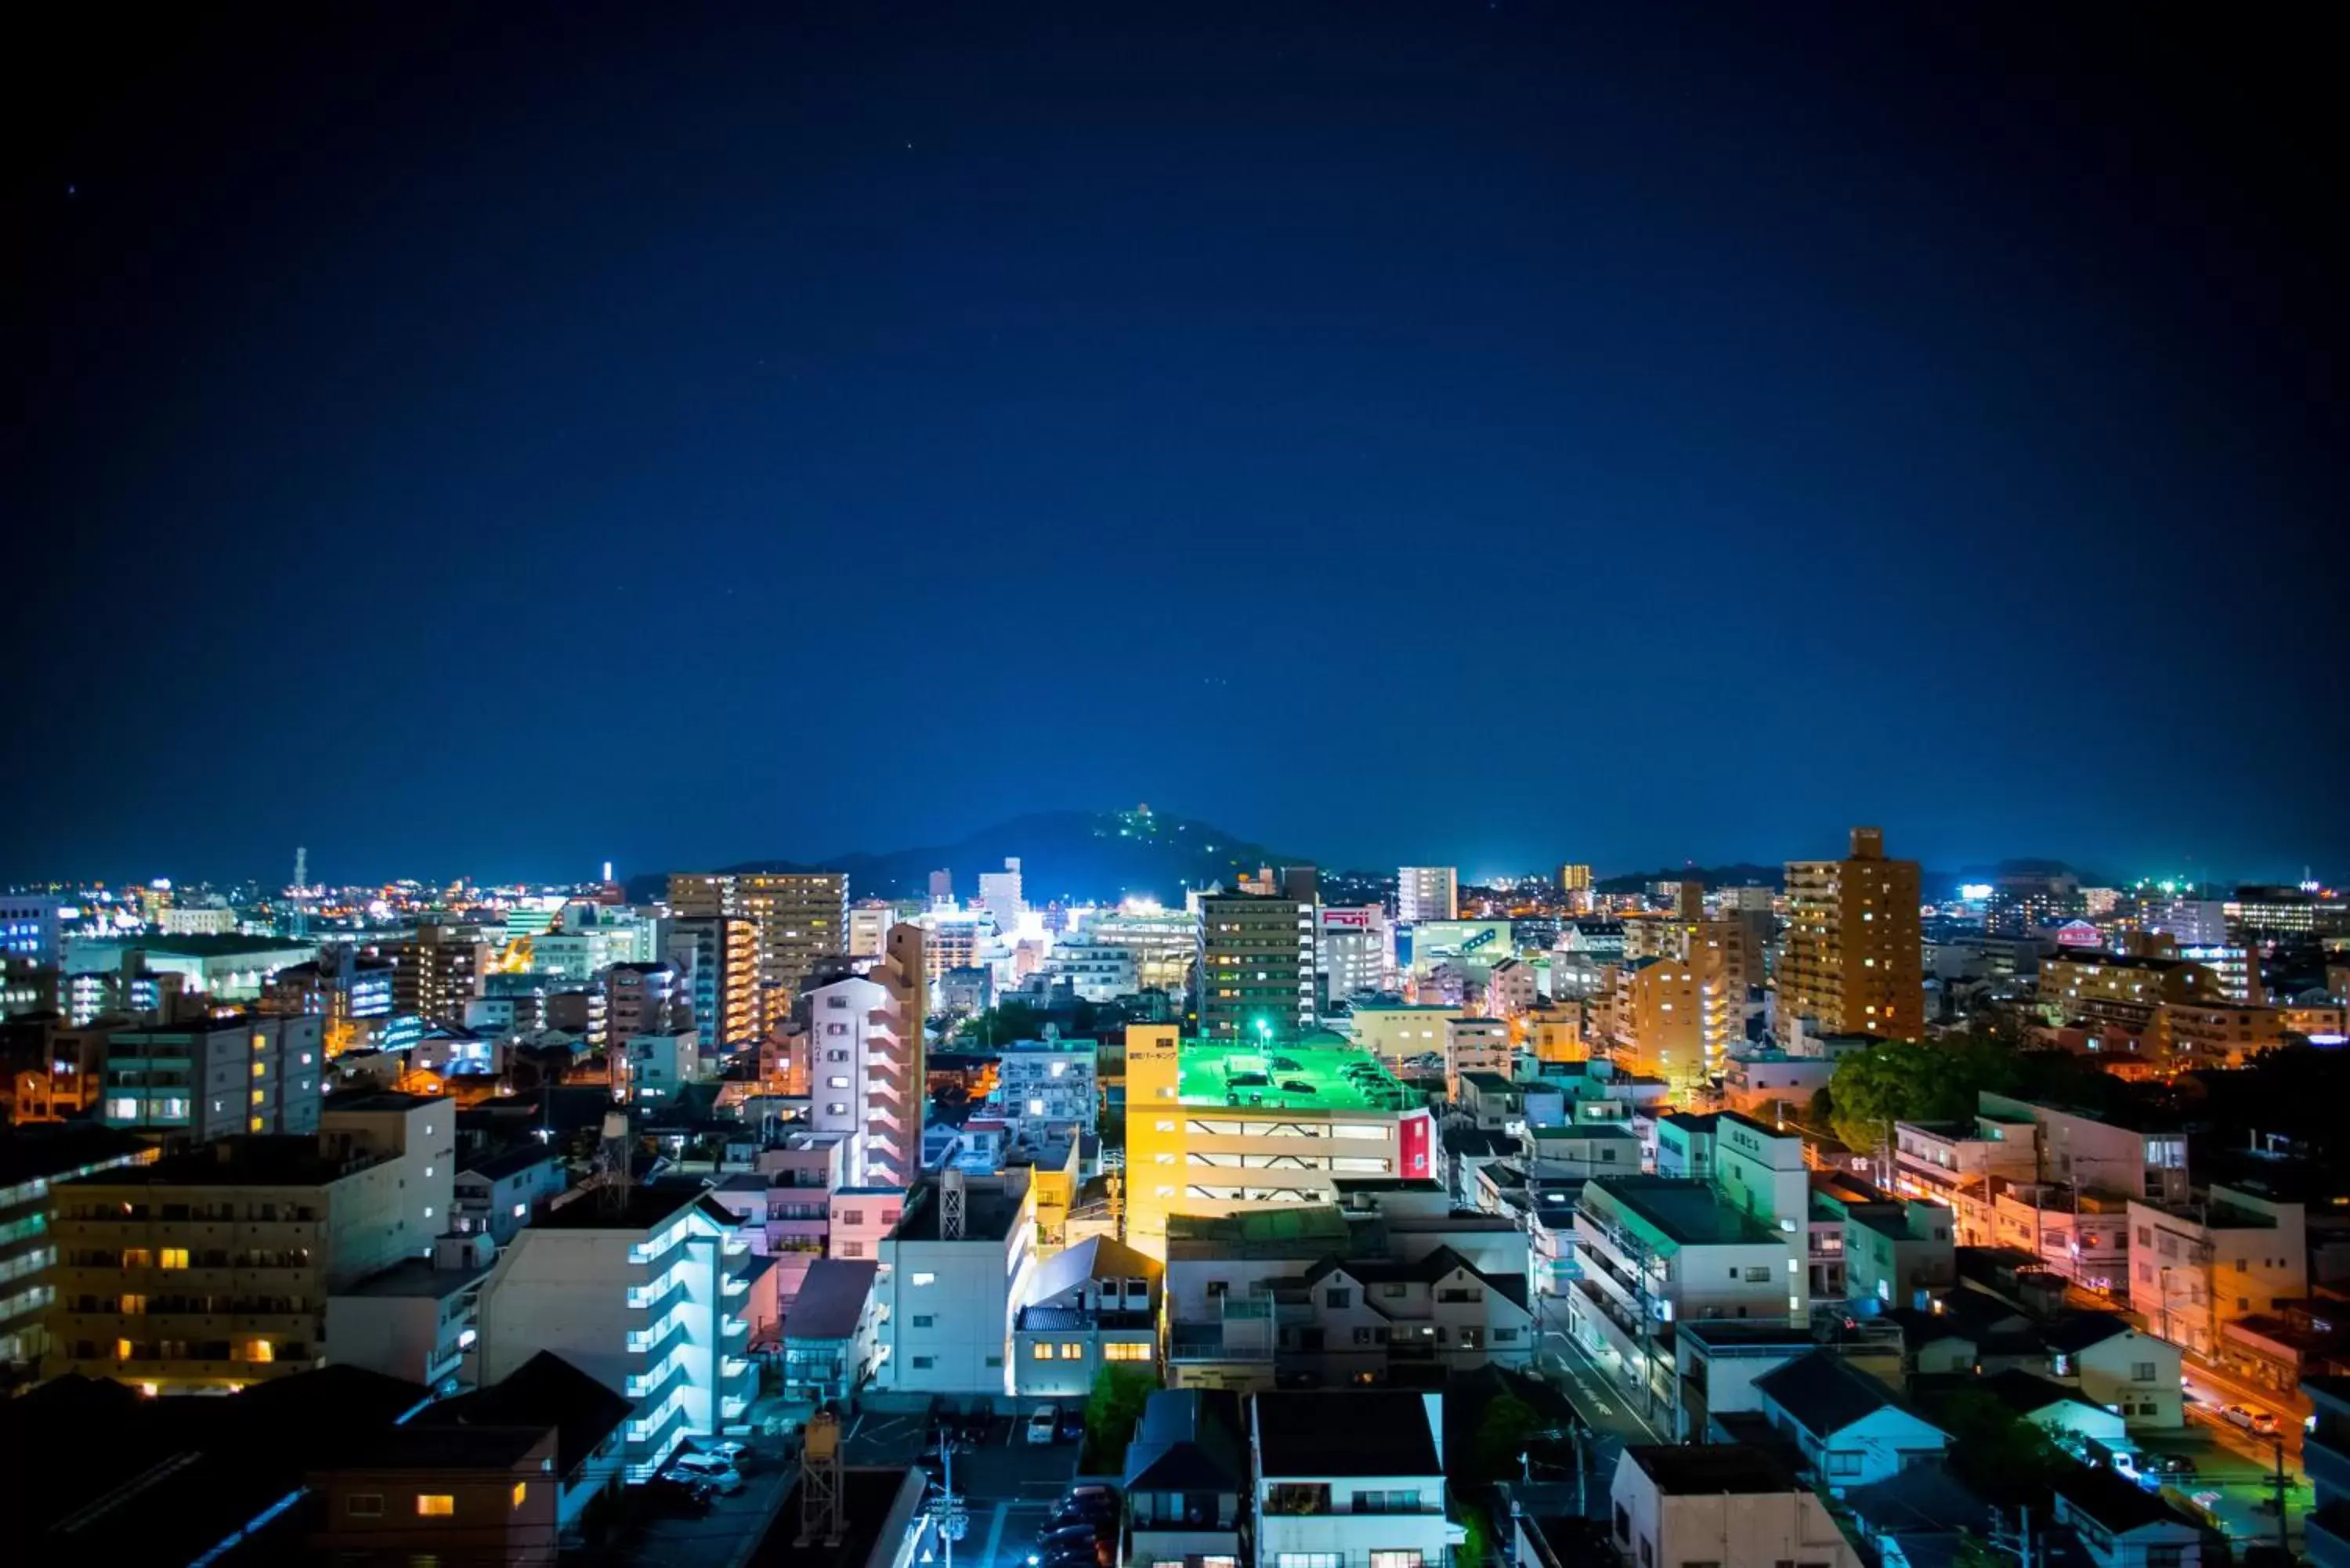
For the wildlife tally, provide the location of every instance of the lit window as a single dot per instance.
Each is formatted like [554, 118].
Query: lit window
[1043, 1352]
[122, 1349]
[436, 1504]
[520, 1209]
[175, 1257]
[1126, 1352]
[521, 1490]
[261, 1069]
[926, 1279]
[257, 1097]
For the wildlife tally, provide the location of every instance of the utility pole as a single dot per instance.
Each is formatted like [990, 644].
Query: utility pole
[2018, 1545]
[2278, 1484]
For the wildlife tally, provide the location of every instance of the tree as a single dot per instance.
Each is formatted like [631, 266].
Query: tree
[1112, 1410]
[1994, 1449]
[1915, 1081]
[1508, 1428]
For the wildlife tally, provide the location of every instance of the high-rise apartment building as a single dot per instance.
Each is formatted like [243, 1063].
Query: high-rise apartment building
[210, 1270]
[719, 956]
[206, 1079]
[437, 973]
[1574, 878]
[1256, 967]
[866, 1065]
[1001, 894]
[1853, 954]
[798, 916]
[802, 917]
[643, 1289]
[1426, 893]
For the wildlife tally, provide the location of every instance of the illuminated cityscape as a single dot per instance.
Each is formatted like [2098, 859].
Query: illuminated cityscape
[1487, 785]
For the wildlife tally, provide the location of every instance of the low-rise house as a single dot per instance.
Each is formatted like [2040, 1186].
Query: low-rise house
[1186, 1478]
[1343, 1477]
[2117, 1367]
[548, 1393]
[2121, 1526]
[1718, 1363]
[416, 1494]
[1091, 1305]
[498, 1193]
[1721, 1503]
[829, 1336]
[1846, 1424]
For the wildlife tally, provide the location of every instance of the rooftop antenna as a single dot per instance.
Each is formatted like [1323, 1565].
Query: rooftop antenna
[951, 1204]
[301, 892]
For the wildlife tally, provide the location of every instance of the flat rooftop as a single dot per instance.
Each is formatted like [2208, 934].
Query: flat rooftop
[1287, 1078]
[1687, 1213]
[415, 1279]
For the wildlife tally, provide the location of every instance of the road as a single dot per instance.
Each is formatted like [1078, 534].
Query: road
[1007, 1484]
[1608, 1410]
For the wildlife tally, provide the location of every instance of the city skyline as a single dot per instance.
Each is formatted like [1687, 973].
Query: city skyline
[1392, 433]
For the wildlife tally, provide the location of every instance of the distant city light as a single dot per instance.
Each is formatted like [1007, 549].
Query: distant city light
[1974, 892]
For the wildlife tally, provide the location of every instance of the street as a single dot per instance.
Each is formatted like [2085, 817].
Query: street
[1609, 1411]
[1008, 1485]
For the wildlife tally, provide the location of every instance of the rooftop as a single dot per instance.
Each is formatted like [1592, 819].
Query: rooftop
[1711, 1468]
[248, 1160]
[1344, 1432]
[642, 1208]
[989, 1212]
[1683, 1212]
[1284, 1076]
[416, 1278]
[831, 1300]
[1822, 1394]
[508, 1162]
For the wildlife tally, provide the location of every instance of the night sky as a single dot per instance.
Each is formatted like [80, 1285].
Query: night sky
[492, 439]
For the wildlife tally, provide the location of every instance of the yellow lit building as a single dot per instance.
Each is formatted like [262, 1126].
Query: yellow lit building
[1220, 1128]
[1851, 960]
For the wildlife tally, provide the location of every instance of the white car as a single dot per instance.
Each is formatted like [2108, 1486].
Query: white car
[1044, 1424]
[717, 1474]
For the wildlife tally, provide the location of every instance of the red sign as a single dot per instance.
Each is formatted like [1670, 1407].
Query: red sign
[1361, 919]
[1414, 1137]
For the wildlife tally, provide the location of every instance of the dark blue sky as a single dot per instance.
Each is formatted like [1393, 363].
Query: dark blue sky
[492, 439]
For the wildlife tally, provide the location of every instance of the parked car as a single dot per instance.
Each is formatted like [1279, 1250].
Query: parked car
[2168, 1464]
[1085, 1502]
[675, 1496]
[2256, 1421]
[731, 1452]
[1044, 1424]
[710, 1471]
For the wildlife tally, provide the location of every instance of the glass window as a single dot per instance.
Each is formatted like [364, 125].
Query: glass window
[435, 1505]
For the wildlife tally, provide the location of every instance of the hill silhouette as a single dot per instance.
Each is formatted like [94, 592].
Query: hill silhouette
[1066, 854]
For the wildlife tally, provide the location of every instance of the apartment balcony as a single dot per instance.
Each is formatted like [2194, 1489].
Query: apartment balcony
[735, 1286]
[656, 1343]
[652, 1387]
[733, 1327]
[2328, 1468]
[648, 1298]
[2325, 1538]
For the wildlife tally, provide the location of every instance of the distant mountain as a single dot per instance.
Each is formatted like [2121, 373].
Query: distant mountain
[1070, 855]
[1739, 876]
